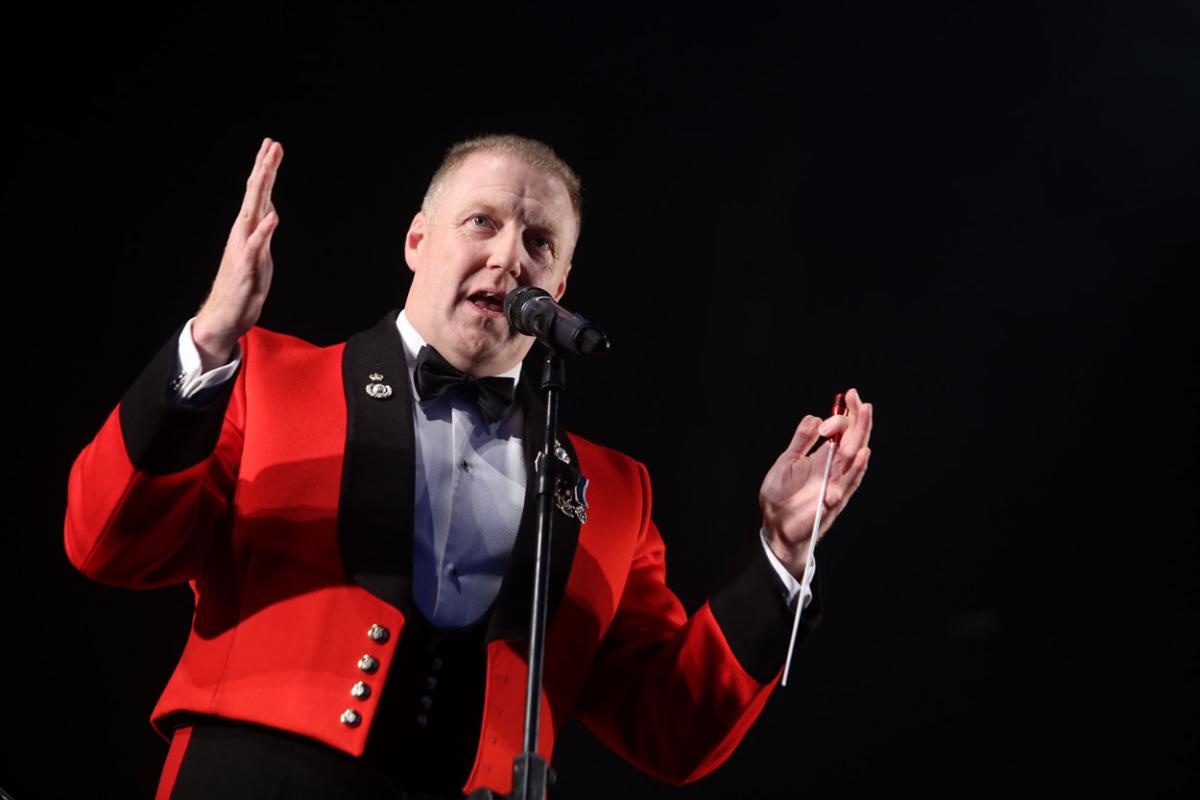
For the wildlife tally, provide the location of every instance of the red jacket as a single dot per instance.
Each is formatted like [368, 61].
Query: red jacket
[286, 504]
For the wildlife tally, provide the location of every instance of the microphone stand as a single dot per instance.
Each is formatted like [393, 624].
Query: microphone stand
[531, 774]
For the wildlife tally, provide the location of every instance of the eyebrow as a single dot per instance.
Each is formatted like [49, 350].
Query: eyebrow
[547, 229]
[534, 221]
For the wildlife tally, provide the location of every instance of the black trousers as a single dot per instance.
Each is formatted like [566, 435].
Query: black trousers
[235, 761]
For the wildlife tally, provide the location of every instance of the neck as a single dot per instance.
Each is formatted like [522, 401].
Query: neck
[480, 367]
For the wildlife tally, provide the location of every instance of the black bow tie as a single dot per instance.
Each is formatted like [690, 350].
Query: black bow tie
[435, 376]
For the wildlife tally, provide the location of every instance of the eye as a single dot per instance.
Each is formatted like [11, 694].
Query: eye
[479, 221]
[541, 243]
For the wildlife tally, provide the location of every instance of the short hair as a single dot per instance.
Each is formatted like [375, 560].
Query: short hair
[529, 151]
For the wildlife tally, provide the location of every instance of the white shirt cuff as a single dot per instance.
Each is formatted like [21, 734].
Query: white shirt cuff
[794, 587]
[190, 379]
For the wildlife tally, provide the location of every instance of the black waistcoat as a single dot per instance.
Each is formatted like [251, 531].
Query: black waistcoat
[426, 727]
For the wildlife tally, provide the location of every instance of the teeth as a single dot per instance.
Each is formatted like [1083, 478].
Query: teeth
[491, 299]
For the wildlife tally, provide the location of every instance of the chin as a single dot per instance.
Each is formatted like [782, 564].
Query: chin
[480, 348]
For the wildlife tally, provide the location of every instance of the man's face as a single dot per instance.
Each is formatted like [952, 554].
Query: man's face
[499, 225]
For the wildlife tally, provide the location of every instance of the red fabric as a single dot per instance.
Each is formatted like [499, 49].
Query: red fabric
[179, 743]
[278, 632]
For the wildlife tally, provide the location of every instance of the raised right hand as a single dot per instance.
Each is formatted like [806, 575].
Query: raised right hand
[236, 299]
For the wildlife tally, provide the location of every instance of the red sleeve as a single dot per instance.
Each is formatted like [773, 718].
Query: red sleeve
[675, 695]
[147, 496]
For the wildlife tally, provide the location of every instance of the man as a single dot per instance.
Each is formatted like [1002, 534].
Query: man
[355, 524]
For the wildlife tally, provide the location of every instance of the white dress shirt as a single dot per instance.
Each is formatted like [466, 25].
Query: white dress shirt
[464, 531]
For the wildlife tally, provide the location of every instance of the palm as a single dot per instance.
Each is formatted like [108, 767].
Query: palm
[793, 484]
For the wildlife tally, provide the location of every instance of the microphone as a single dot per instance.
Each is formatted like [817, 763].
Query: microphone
[533, 312]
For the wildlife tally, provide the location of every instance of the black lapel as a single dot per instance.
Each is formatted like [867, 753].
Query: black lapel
[514, 604]
[375, 508]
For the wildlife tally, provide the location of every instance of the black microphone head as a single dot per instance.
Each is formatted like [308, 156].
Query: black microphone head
[591, 341]
[516, 301]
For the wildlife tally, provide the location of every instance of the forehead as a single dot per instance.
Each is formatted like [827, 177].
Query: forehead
[507, 183]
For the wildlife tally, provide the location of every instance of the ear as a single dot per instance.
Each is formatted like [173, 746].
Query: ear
[414, 239]
[562, 285]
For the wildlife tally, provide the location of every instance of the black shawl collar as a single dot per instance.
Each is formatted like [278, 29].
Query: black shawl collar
[375, 508]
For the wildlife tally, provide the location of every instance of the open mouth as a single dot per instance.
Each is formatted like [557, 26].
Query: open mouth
[490, 302]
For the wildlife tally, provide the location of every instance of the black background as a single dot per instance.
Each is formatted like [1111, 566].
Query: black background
[985, 216]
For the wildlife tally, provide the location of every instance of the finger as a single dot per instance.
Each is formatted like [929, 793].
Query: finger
[858, 425]
[245, 222]
[870, 410]
[263, 146]
[838, 493]
[860, 432]
[266, 249]
[805, 437]
[838, 424]
[250, 214]
[261, 237]
[834, 426]
[847, 442]
[270, 170]
[848, 483]
[263, 149]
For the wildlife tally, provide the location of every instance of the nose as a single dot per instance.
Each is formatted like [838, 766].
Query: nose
[508, 252]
